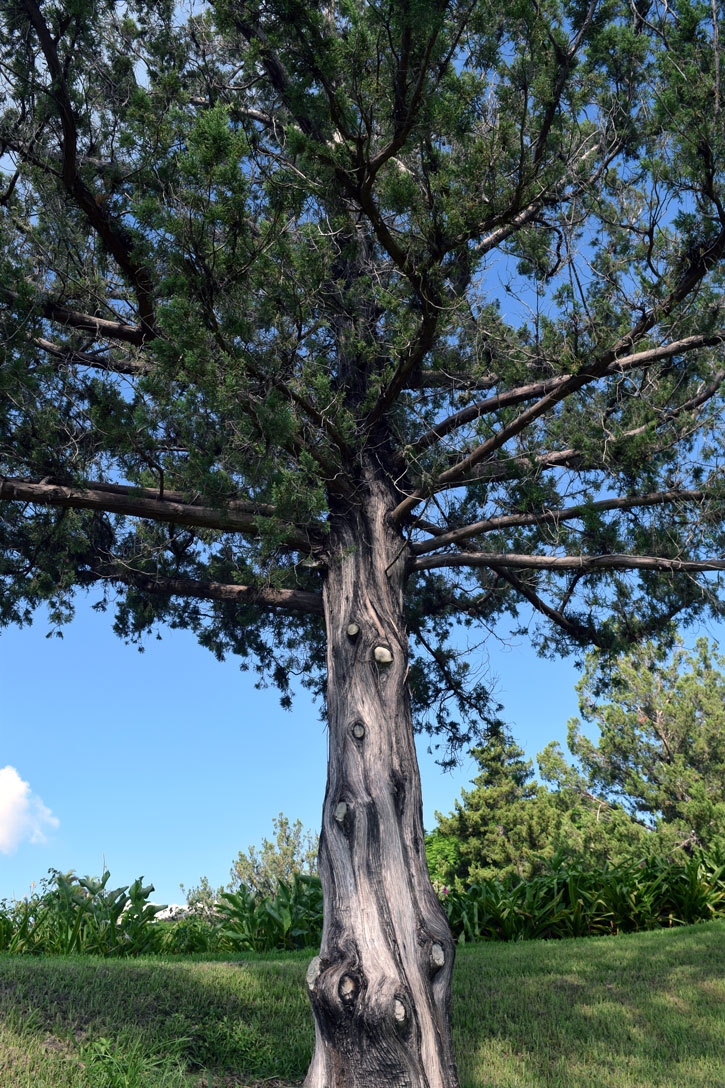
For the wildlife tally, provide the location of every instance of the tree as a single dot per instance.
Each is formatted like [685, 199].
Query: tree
[496, 826]
[509, 824]
[660, 753]
[585, 825]
[203, 897]
[442, 855]
[330, 328]
[292, 852]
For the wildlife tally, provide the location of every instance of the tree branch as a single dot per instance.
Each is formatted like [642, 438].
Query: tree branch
[417, 351]
[81, 358]
[116, 239]
[441, 379]
[701, 263]
[276, 72]
[507, 521]
[586, 563]
[98, 326]
[583, 633]
[537, 389]
[297, 600]
[172, 508]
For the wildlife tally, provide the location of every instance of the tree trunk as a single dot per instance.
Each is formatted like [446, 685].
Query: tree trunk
[380, 988]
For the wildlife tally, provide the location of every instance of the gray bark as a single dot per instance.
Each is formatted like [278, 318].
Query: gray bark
[380, 988]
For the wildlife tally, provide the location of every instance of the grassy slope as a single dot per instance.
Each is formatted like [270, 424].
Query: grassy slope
[639, 1011]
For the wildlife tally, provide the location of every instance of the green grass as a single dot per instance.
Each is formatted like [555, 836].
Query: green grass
[639, 1011]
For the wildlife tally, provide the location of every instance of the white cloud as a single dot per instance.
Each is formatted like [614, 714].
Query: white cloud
[23, 816]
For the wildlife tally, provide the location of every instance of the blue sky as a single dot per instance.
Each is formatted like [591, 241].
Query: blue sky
[167, 763]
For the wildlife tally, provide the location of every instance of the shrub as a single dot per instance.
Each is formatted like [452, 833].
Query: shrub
[72, 914]
[290, 919]
[570, 900]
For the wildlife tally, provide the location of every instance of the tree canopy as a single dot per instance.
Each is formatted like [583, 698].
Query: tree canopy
[651, 782]
[242, 249]
[293, 851]
[509, 824]
[495, 828]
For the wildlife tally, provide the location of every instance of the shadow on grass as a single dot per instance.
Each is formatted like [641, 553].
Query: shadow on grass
[640, 1011]
[251, 1019]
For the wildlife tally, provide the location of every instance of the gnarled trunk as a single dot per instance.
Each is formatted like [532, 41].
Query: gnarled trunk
[380, 988]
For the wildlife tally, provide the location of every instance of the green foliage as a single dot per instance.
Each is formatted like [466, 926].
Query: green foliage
[502, 826]
[291, 918]
[569, 899]
[443, 855]
[660, 753]
[318, 233]
[293, 852]
[652, 786]
[72, 914]
[202, 898]
[188, 935]
[566, 898]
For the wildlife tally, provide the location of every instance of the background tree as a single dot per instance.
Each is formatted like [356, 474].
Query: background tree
[660, 752]
[496, 827]
[327, 327]
[586, 826]
[509, 824]
[203, 897]
[293, 851]
[442, 854]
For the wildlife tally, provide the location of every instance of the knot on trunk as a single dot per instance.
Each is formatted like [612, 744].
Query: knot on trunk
[343, 816]
[437, 958]
[400, 1012]
[347, 990]
[313, 972]
[383, 655]
[337, 988]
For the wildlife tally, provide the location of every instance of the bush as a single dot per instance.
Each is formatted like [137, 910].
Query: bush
[187, 935]
[567, 900]
[570, 900]
[72, 914]
[290, 919]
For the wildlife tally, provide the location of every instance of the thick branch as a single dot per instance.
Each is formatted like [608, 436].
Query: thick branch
[418, 350]
[598, 369]
[116, 239]
[275, 70]
[507, 521]
[111, 365]
[698, 268]
[298, 600]
[537, 389]
[402, 130]
[581, 632]
[145, 503]
[498, 561]
[98, 326]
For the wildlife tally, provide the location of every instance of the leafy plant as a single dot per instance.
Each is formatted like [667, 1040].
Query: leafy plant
[78, 914]
[290, 919]
[187, 935]
[569, 900]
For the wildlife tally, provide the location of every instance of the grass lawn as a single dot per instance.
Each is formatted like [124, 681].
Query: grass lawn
[639, 1011]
